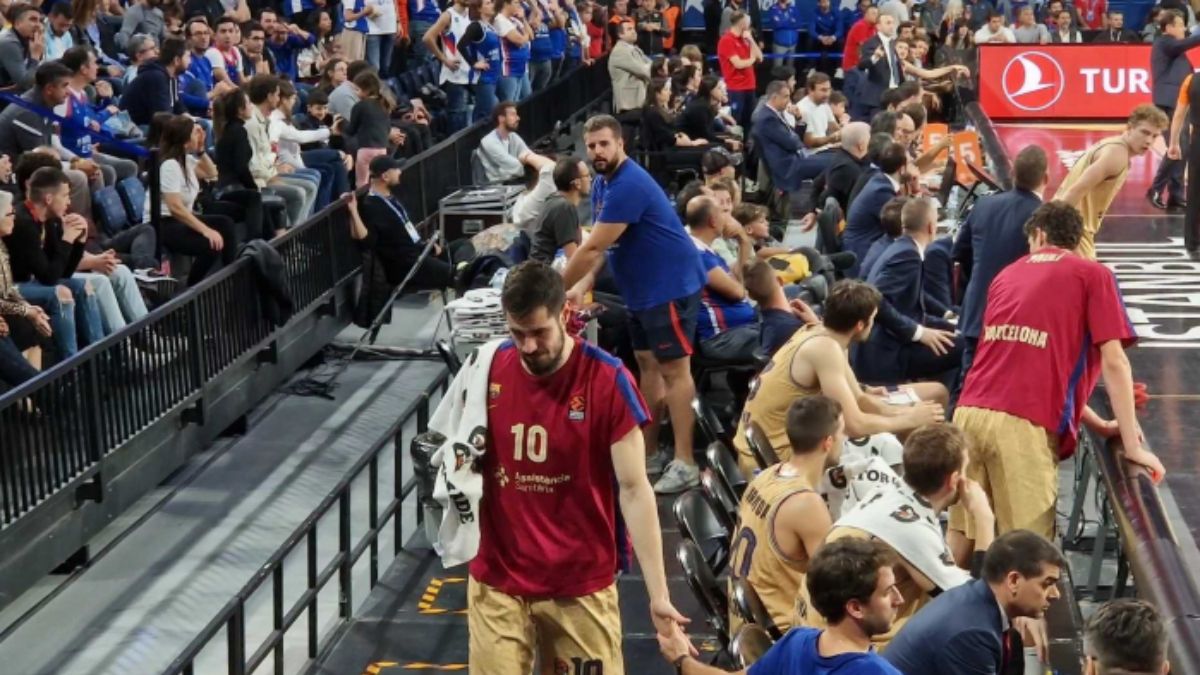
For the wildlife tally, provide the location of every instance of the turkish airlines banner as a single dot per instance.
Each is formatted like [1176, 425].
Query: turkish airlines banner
[1093, 81]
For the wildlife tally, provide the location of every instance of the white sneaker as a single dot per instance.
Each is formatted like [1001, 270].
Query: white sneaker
[658, 461]
[677, 477]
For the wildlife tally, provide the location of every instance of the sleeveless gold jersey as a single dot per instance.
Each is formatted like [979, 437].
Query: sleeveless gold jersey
[756, 556]
[1094, 204]
[771, 393]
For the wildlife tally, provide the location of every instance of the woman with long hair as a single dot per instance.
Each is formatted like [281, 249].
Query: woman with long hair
[310, 62]
[481, 46]
[333, 74]
[658, 120]
[369, 124]
[516, 35]
[235, 182]
[208, 237]
[331, 166]
[85, 30]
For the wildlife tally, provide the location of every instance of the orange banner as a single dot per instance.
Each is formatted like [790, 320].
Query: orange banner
[965, 147]
[931, 135]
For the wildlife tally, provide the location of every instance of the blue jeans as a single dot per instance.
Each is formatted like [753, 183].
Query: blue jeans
[741, 104]
[485, 101]
[509, 89]
[14, 368]
[335, 181]
[539, 75]
[82, 314]
[456, 105]
[416, 32]
[118, 297]
[379, 52]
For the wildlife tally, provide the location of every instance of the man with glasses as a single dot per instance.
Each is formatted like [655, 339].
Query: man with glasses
[788, 161]
[201, 84]
[256, 59]
[142, 50]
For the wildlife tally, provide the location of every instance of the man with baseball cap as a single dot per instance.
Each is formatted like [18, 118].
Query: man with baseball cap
[392, 235]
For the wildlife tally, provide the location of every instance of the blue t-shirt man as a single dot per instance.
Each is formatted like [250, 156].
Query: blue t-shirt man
[797, 653]
[718, 313]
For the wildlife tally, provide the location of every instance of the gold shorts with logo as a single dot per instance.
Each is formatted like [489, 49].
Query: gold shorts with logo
[572, 636]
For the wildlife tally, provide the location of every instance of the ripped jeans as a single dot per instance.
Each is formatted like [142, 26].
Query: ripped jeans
[74, 322]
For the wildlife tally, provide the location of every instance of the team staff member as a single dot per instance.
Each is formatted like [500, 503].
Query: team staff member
[1169, 65]
[782, 520]
[1188, 117]
[1096, 178]
[657, 269]
[1021, 421]
[562, 429]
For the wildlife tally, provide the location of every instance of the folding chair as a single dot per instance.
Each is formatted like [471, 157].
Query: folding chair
[749, 645]
[750, 608]
[708, 592]
[724, 464]
[699, 523]
[760, 446]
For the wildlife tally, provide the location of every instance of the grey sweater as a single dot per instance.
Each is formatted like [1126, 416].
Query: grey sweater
[140, 18]
[16, 67]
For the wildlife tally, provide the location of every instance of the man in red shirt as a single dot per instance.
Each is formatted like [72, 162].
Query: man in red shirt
[564, 446]
[860, 32]
[1038, 360]
[737, 52]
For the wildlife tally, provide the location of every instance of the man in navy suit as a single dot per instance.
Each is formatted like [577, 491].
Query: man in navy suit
[779, 146]
[976, 627]
[863, 220]
[992, 237]
[880, 67]
[909, 341]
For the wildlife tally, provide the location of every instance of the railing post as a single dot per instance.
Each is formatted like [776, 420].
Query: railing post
[195, 361]
[345, 573]
[397, 493]
[92, 416]
[373, 516]
[277, 614]
[313, 636]
[236, 633]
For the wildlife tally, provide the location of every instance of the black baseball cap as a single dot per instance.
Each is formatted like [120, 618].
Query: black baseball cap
[715, 160]
[383, 164]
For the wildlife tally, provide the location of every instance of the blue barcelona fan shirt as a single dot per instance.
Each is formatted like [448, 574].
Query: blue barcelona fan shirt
[654, 261]
[797, 653]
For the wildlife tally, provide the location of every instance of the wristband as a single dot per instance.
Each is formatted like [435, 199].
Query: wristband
[679, 664]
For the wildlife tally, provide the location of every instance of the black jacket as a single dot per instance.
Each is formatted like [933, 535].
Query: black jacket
[275, 301]
[233, 157]
[34, 258]
[1169, 65]
[152, 91]
[1123, 35]
[840, 178]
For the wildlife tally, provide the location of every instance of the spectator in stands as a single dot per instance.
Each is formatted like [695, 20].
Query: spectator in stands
[516, 35]
[781, 149]
[628, 68]
[58, 31]
[935, 459]
[1125, 636]
[141, 49]
[142, 17]
[1116, 31]
[344, 96]
[738, 53]
[422, 14]
[22, 46]
[727, 326]
[441, 40]
[657, 269]
[355, 27]
[200, 83]
[1064, 31]
[208, 237]
[235, 181]
[853, 586]
[297, 187]
[781, 318]
[699, 117]
[1028, 31]
[991, 238]
[46, 246]
[784, 17]
[370, 124]
[224, 55]
[976, 627]
[211, 10]
[285, 43]
[392, 235]
[334, 74]
[541, 49]
[994, 32]
[332, 165]
[322, 47]
[862, 218]
[479, 46]
[912, 340]
[155, 89]
[539, 185]
[857, 35]
[847, 163]
[1091, 14]
[822, 129]
[382, 27]
[824, 34]
[86, 31]
[85, 69]
[782, 505]
[659, 133]
[23, 326]
[809, 364]
[1150, 31]
[558, 227]
[503, 153]
[256, 60]
[650, 28]
[890, 221]
[879, 69]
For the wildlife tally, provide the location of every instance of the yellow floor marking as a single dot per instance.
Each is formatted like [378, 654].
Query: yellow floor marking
[429, 597]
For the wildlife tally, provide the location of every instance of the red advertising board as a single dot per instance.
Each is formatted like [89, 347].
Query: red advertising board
[1093, 81]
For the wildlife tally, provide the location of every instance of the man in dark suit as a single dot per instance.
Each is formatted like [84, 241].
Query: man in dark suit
[779, 146]
[862, 220]
[939, 273]
[976, 627]
[1169, 64]
[910, 340]
[991, 238]
[847, 164]
[1116, 31]
[880, 68]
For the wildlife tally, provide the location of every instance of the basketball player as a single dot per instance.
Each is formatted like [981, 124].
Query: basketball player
[782, 520]
[1040, 355]
[906, 519]
[1096, 178]
[563, 427]
[815, 361]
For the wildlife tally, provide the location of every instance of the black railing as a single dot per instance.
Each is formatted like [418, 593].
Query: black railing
[59, 426]
[1151, 550]
[992, 146]
[232, 618]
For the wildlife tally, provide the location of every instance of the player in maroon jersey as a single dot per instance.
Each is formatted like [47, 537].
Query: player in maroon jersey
[564, 448]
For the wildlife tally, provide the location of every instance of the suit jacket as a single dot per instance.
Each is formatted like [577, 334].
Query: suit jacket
[878, 73]
[960, 631]
[839, 178]
[630, 72]
[862, 220]
[1169, 66]
[782, 150]
[899, 276]
[992, 237]
[1111, 36]
[939, 277]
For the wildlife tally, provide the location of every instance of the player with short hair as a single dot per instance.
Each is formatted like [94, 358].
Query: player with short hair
[563, 428]
[1039, 357]
[782, 520]
[852, 585]
[1096, 178]
[1124, 637]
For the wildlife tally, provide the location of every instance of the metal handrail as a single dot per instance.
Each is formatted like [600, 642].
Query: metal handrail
[992, 147]
[1153, 552]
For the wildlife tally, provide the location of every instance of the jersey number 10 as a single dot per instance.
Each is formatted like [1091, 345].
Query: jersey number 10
[530, 442]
